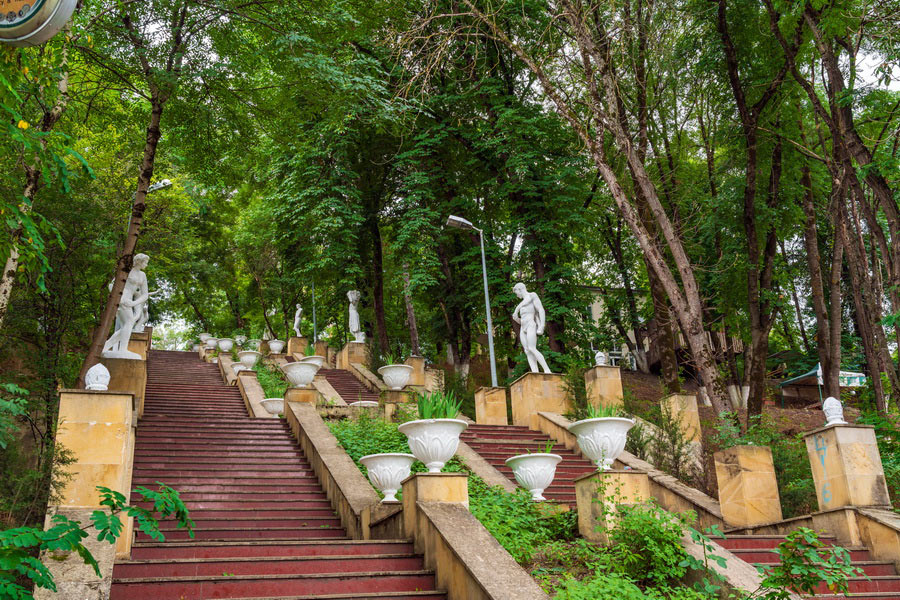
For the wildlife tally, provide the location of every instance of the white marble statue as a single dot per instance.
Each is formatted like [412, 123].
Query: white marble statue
[529, 314]
[97, 378]
[834, 411]
[131, 307]
[355, 327]
[297, 320]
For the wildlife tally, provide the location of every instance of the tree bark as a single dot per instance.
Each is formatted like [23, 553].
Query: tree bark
[410, 314]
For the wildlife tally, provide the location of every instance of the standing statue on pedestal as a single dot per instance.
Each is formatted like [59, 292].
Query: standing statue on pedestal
[529, 314]
[130, 312]
[297, 320]
[355, 328]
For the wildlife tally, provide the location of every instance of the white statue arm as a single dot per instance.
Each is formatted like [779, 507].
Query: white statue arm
[515, 315]
[539, 315]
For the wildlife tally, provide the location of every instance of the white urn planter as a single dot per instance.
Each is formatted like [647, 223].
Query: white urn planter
[254, 344]
[300, 374]
[274, 406]
[387, 472]
[433, 441]
[240, 340]
[237, 367]
[226, 344]
[249, 358]
[211, 343]
[316, 360]
[395, 376]
[534, 472]
[196, 347]
[276, 346]
[204, 337]
[364, 404]
[602, 440]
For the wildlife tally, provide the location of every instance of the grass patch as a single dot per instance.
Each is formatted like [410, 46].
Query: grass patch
[271, 380]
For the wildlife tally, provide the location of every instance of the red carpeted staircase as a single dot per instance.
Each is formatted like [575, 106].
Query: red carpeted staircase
[881, 581]
[347, 386]
[496, 443]
[264, 528]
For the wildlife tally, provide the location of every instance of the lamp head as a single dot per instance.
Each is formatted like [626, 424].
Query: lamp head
[459, 223]
[159, 185]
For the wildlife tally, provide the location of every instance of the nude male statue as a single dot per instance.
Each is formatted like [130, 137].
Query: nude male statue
[131, 310]
[530, 315]
[297, 320]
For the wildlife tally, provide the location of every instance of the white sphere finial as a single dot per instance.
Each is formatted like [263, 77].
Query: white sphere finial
[97, 378]
[834, 411]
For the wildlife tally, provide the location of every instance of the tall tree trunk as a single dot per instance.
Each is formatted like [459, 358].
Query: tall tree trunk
[126, 257]
[410, 314]
[378, 285]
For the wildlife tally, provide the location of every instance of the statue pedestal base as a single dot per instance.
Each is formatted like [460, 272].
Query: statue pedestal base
[490, 406]
[417, 377]
[683, 408]
[537, 392]
[310, 395]
[297, 345]
[140, 342]
[604, 386]
[748, 491]
[352, 352]
[128, 376]
[599, 494]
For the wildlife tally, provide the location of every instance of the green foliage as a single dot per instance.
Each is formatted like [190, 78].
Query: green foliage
[12, 406]
[805, 562]
[438, 405]
[792, 469]
[271, 379]
[887, 434]
[646, 545]
[20, 545]
[601, 585]
[604, 411]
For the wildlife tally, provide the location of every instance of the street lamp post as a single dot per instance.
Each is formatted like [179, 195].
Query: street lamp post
[460, 223]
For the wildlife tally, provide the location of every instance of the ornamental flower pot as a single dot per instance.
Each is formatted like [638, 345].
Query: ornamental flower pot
[316, 360]
[395, 376]
[196, 347]
[211, 343]
[534, 472]
[240, 340]
[204, 337]
[237, 367]
[276, 346]
[249, 358]
[253, 344]
[226, 344]
[364, 404]
[273, 406]
[602, 440]
[387, 472]
[300, 374]
[433, 441]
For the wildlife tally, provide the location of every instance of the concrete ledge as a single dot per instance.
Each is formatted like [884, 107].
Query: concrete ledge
[386, 521]
[345, 486]
[329, 394]
[483, 468]
[366, 377]
[225, 362]
[469, 563]
[253, 395]
[671, 494]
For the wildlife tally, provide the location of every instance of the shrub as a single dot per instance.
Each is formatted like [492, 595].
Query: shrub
[887, 433]
[646, 545]
[271, 380]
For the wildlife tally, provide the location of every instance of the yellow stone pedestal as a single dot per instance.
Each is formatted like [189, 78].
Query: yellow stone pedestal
[310, 395]
[683, 408]
[604, 386]
[98, 428]
[535, 392]
[490, 406]
[417, 377]
[128, 376]
[598, 494]
[748, 490]
[352, 352]
[846, 467]
[322, 349]
[140, 342]
[297, 345]
[431, 487]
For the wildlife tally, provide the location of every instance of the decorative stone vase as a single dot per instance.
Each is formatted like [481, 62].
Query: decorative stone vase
[249, 358]
[240, 340]
[300, 374]
[534, 472]
[226, 344]
[274, 406]
[387, 472]
[196, 347]
[433, 441]
[316, 360]
[602, 440]
[276, 346]
[253, 344]
[237, 367]
[204, 337]
[211, 343]
[834, 411]
[364, 404]
[396, 376]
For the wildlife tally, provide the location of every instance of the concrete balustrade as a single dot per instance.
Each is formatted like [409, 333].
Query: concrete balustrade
[490, 406]
[297, 345]
[535, 392]
[748, 490]
[604, 386]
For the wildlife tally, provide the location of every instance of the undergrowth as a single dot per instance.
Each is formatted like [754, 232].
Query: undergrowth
[271, 380]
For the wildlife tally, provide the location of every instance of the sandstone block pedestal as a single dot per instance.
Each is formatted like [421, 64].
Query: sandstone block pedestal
[417, 377]
[98, 428]
[310, 395]
[297, 345]
[748, 490]
[535, 392]
[128, 376]
[683, 408]
[352, 352]
[431, 487]
[140, 342]
[322, 349]
[604, 386]
[598, 495]
[846, 467]
[490, 406]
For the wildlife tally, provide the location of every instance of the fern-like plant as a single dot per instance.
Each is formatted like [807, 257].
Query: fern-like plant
[602, 412]
[438, 405]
